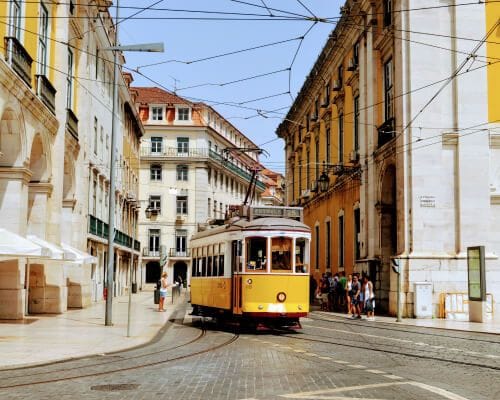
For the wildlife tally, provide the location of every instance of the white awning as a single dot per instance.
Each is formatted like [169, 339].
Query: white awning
[13, 245]
[78, 256]
[57, 252]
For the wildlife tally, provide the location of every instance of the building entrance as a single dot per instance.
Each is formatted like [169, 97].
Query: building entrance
[180, 269]
[153, 272]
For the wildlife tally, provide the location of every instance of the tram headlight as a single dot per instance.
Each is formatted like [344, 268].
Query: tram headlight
[281, 297]
[249, 281]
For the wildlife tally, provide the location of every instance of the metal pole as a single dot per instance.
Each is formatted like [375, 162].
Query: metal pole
[27, 285]
[130, 282]
[111, 220]
[399, 295]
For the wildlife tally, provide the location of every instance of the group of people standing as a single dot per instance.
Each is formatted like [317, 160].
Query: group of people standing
[354, 295]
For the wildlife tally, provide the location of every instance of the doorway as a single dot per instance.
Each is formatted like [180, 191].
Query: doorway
[153, 272]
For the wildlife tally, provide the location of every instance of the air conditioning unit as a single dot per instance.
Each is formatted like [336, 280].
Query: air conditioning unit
[354, 156]
[352, 65]
[336, 85]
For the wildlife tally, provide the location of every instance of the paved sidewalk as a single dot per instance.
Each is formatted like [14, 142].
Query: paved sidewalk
[485, 327]
[40, 339]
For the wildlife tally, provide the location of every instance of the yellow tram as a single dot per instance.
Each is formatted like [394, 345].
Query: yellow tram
[254, 268]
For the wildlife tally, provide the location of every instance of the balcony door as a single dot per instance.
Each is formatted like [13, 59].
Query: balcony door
[181, 243]
[154, 242]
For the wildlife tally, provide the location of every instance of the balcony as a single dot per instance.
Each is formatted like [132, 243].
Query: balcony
[46, 92]
[386, 132]
[235, 169]
[174, 253]
[72, 123]
[172, 152]
[147, 252]
[100, 229]
[18, 58]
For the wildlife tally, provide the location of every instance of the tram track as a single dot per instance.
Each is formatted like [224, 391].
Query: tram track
[28, 381]
[393, 328]
[388, 349]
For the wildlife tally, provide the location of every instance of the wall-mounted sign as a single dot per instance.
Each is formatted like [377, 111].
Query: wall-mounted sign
[428, 201]
[476, 273]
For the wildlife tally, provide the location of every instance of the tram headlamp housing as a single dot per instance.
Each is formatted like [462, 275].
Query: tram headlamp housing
[249, 281]
[281, 297]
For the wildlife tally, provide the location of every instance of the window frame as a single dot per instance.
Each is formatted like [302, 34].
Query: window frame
[389, 89]
[182, 172]
[153, 113]
[181, 205]
[156, 173]
[156, 144]
[155, 202]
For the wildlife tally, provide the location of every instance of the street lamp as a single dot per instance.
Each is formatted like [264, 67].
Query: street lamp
[149, 47]
[323, 182]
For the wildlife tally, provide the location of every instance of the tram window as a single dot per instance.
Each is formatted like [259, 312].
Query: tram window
[193, 267]
[215, 266]
[256, 254]
[221, 265]
[301, 255]
[204, 266]
[209, 266]
[199, 267]
[281, 254]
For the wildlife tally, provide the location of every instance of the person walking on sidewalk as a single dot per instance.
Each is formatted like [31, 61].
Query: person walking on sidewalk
[356, 290]
[163, 291]
[349, 294]
[369, 299]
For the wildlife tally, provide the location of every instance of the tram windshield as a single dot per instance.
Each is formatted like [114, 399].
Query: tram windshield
[281, 254]
[256, 259]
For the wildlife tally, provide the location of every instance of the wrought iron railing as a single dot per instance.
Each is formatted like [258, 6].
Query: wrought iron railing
[148, 151]
[146, 252]
[100, 229]
[179, 253]
[386, 132]
[18, 58]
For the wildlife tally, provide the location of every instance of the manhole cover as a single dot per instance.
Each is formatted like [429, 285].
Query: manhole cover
[115, 387]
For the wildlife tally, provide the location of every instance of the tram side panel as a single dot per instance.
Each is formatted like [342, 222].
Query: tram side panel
[264, 294]
[211, 292]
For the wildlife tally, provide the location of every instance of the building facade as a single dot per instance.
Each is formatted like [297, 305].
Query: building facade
[54, 86]
[415, 127]
[194, 165]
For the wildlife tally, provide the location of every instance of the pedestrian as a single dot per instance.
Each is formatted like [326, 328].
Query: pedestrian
[349, 293]
[361, 303]
[342, 290]
[356, 291]
[369, 299]
[163, 291]
[324, 289]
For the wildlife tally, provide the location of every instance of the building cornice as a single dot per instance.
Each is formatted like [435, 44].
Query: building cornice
[16, 174]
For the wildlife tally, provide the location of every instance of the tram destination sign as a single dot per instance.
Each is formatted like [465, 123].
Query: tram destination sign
[277, 212]
[476, 273]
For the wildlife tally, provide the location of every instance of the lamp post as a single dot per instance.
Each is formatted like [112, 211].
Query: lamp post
[149, 47]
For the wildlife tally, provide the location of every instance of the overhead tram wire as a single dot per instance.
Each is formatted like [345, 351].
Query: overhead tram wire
[140, 11]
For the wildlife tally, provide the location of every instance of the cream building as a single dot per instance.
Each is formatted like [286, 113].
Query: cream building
[415, 106]
[49, 100]
[194, 165]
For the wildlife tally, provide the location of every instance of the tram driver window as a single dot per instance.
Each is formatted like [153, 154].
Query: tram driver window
[281, 251]
[301, 255]
[256, 254]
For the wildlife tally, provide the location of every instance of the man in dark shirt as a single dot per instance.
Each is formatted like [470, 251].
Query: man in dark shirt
[356, 290]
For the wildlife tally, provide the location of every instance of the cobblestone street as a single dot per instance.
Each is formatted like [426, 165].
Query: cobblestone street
[330, 358]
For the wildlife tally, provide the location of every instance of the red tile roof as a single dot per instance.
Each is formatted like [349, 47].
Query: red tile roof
[155, 95]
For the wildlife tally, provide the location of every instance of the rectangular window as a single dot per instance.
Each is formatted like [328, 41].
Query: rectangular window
[388, 90]
[155, 203]
[95, 135]
[327, 95]
[69, 81]
[357, 231]
[155, 172]
[341, 241]
[102, 140]
[316, 231]
[154, 241]
[316, 167]
[43, 40]
[183, 114]
[328, 145]
[182, 146]
[328, 245]
[182, 173]
[94, 198]
[15, 19]
[356, 123]
[181, 242]
[300, 177]
[341, 138]
[355, 54]
[182, 205]
[308, 174]
[156, 113]
[156, 144]
[340, 72]
[387, 12]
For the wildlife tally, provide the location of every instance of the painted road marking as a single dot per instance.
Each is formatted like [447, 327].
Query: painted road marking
[394, 377]
[332, 394]
[340, 362]
[325, 358]
[375, 371]
[357, 366]
[299, 351]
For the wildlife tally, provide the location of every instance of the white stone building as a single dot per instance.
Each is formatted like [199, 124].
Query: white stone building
[194, 165]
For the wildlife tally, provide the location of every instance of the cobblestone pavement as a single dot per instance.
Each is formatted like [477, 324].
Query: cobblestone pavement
[330, 358]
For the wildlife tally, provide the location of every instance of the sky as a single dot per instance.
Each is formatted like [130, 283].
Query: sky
[197, 32]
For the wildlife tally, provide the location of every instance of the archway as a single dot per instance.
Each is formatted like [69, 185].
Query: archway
[388, 237]
[180, 269]
[10, 139]
[153, 272]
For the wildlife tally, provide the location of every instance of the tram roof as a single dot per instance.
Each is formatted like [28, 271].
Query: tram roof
[259, 224]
